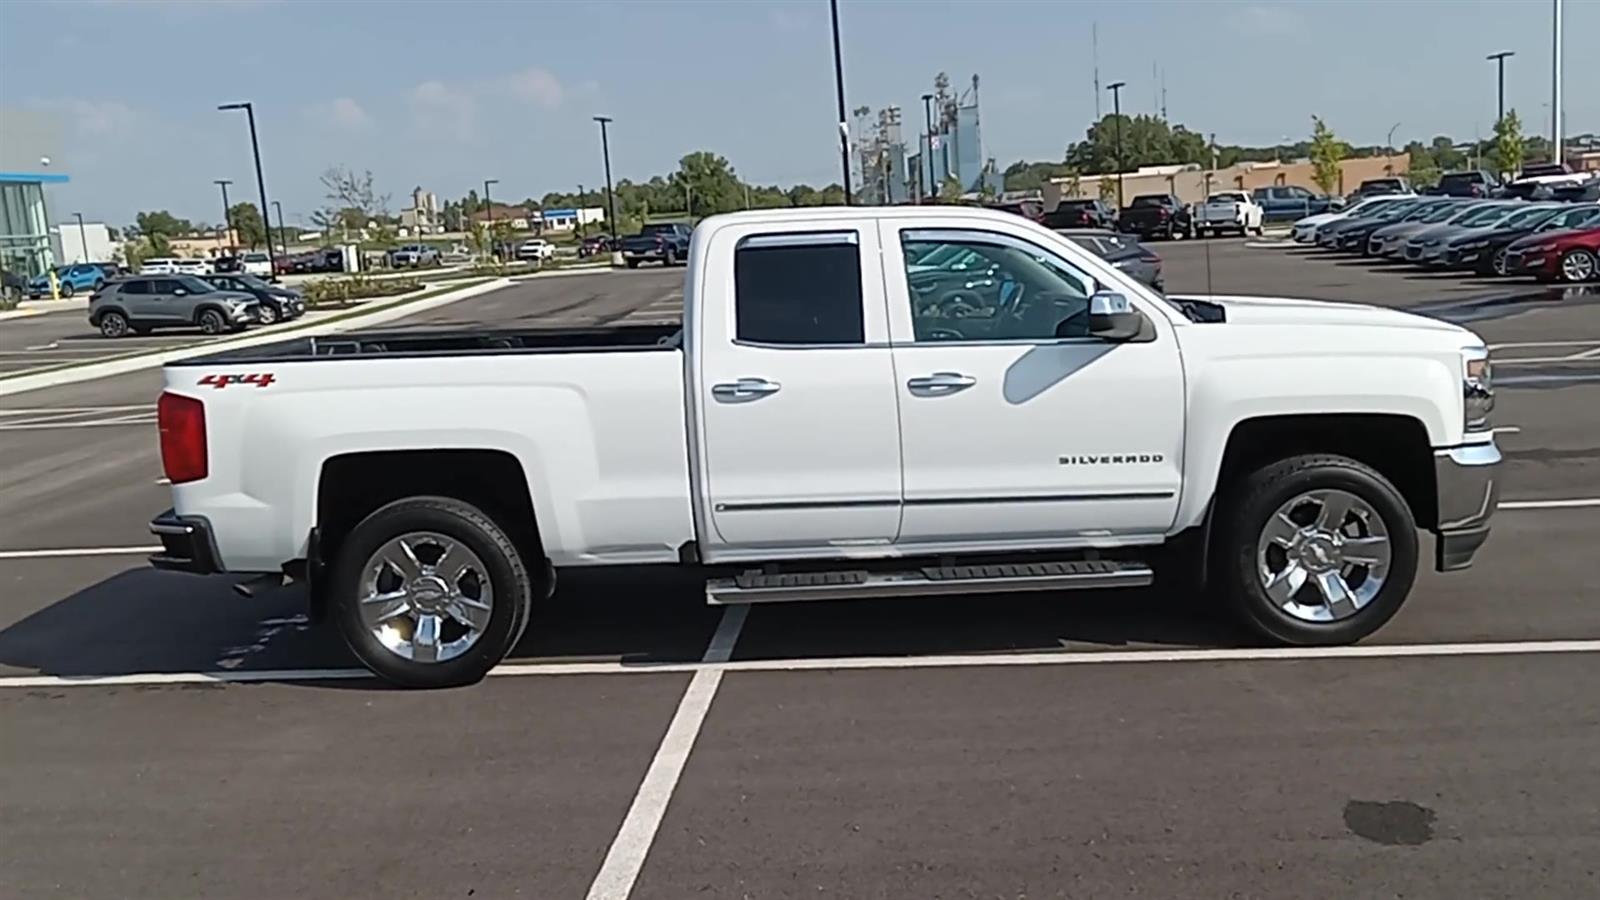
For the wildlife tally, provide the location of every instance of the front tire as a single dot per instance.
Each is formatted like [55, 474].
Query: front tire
[1314, 550]
[67, 290]
[672, 258]
[113, 324]
[1578, 265]
[211, 322]
[430, 592]
[268, 314]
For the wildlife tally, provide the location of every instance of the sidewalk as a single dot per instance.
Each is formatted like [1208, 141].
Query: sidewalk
[39, 307]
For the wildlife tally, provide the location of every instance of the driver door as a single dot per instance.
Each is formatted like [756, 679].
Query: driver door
[1017, 427]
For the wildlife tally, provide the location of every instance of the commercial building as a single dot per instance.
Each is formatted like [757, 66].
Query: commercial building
[424, 216]
[1192, 184]
[29, 160]
[948, 155]
[75, 242]
[569, 219]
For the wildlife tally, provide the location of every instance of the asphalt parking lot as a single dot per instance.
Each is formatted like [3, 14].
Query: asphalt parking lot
[642, 744]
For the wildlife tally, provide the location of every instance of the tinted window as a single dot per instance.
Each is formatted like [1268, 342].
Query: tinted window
[1149, 200]
[803, 289]
[134, 287]
[165, 286]
[1016, 291]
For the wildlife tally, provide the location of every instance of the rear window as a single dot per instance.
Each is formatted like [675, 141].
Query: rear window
[659, 229]
[1462, 178]
[1230, 197]
[1075, 205]
[799, 289]
[1149, 200]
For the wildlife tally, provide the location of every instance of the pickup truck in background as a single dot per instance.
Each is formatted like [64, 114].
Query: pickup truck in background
[1082, 214]
[861, 402]
[1228, 211]
[1290, 203]
[1156, 215]
[666, 243]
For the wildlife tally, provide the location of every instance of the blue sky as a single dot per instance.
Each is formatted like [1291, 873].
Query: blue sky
[446, 94]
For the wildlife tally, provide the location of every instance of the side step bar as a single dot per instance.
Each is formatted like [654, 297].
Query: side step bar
[754, 587]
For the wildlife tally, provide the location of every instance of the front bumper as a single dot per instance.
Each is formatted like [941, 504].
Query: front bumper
[187, 544]
[1468, 485]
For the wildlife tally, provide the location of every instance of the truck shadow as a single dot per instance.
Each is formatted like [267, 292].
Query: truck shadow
[141, 620]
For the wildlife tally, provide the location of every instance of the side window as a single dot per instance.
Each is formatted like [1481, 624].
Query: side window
[799, 289]
[165, 286]
[1003, 289]
[134, 287]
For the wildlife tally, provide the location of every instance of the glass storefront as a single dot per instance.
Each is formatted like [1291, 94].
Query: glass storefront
[24, 228]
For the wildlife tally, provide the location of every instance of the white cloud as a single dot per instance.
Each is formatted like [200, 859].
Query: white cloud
[341, 113]
[536, 86]
[439, 108]
[100, 117]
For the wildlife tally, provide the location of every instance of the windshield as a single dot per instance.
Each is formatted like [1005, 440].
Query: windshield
[1519, 217]
[195, 285]
[1434, 212]
[251, 281]
[1481, 215]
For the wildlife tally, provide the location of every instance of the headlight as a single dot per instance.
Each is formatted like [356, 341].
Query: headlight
[1477, 387]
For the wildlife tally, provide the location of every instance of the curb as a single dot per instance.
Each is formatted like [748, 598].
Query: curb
[405, 305]
[20, 314]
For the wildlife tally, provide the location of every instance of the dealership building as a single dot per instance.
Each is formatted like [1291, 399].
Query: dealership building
[29, 144]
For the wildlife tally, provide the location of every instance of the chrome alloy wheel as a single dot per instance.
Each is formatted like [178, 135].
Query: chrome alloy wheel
[1324, 555]
[426, 597]
[1499, 262]
[1578, 266]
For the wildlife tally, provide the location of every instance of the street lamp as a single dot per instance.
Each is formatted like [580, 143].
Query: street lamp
[838, 83]
[255, 148]
[927, 142]
[227, 214]
[611, 196]
[83, 238]
[1116, 116]
[283, 234]
[1499, 59]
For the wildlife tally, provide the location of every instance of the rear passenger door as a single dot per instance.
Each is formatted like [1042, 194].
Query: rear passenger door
[798, 444]
[168, 302]
[134, 297]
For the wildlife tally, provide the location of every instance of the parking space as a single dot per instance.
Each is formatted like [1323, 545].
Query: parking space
[67, 338]
[1422, 769]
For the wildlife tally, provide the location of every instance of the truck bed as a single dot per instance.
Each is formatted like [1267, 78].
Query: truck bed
[427, 343]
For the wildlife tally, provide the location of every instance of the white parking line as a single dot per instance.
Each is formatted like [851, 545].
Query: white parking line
[1549, 504]
[76, 551]
[851, 663]
[1591, 342]
[632, 844]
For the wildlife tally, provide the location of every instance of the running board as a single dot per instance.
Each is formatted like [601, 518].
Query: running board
[859, 584]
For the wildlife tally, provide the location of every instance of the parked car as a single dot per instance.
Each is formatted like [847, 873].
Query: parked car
[665, 242]
[1032, 210]
[277, 304]
[1289, 203]
[159, 265]
[1121, 250]
[1377, 187]
[257, 263]
[1156, 215]
[1475, 183]
[1557, 255]
[594, 245]
[1426, 246]
[1082, 214]
[1485, 251]
[1305, 230]
[1352, 233]
[327, 259]
[141, 304]
[226, 263]
[196, 266]
[1229, 211]
[1390, 240]
[922, 450]
[71, 279]
[413, 256]
[537, 249]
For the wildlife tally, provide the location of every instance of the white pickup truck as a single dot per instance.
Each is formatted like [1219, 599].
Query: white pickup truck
[861, 402]
[1228, 211]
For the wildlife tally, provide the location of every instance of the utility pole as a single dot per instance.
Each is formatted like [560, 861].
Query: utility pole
[83, 238]
[255, 148]
[927, 144]
[1556, 129]
[283, 235]
[1094, 44]
[1499, 59]
[611, 196]
[838, 83]
[1116, 116]
[227, 214]
[1164, 94]
[488, 216]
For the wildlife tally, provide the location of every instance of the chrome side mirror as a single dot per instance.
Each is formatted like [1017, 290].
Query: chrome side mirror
[1112, 317]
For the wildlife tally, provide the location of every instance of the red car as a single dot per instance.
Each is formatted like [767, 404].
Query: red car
[1557, 255]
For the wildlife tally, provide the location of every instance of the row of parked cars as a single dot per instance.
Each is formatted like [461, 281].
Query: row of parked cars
[1549, 240]
[215, 303]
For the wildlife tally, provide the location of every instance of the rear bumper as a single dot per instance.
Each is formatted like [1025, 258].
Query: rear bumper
[187, 544]
[1469, 489]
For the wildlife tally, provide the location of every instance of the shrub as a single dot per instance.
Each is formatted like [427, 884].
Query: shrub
[341, 291]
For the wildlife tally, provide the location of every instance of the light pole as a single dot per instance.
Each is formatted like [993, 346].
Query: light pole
[1388, 140]
[83, 238]
[1557, 124]
[1499, 59]
[283, 236]
[227, 214]
[488, 216]
[927, 142]
[1116, 116]
[611, 195]
[838, 84]
[255, 148]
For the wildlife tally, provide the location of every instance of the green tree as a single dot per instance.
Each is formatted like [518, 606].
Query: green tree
[246, 219]
[1032, 176]
[950, 191]
[1108, 190]
[1507, 152]
[1326, 153]
[704, 185]
[161, 222]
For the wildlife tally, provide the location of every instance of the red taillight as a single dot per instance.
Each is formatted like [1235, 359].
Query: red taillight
[182, 421]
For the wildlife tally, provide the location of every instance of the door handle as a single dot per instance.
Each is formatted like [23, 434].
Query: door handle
[941, 383]
[745, 389]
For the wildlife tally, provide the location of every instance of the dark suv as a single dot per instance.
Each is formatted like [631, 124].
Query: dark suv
[1082, 214]
[143, 303]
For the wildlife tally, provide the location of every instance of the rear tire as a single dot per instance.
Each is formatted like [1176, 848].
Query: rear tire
[1250, 521]
[511, 591]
